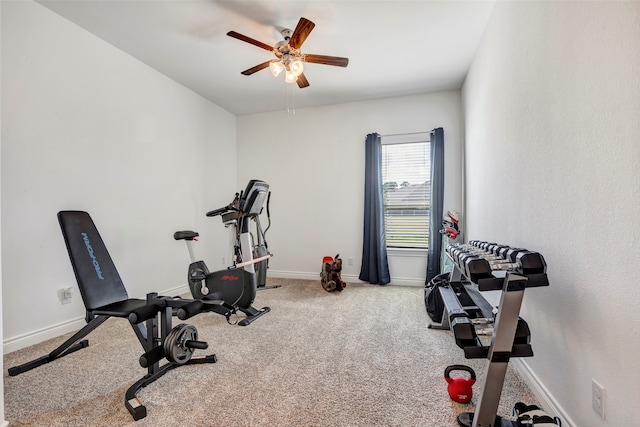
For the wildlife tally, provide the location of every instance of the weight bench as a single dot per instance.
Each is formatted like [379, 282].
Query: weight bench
[105, 296]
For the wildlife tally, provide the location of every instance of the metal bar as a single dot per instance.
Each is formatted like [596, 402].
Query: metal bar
[62, 349]
[403, 134]
[500, 350]
[253, 261]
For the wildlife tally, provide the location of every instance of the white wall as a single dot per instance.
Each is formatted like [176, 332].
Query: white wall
[314, 162]
[552, 119]
[85, 126]
[2, 420]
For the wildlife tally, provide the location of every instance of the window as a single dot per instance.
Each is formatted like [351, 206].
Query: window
[406, 174]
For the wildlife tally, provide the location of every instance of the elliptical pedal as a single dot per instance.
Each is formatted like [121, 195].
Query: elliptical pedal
[258, 313]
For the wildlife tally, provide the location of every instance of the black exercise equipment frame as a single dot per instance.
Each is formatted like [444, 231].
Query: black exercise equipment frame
[489, 266]
[104, 296]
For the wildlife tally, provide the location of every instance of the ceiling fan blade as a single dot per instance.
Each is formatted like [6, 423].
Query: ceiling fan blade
[302, 81]
[250, 40]
[301, 33]
[327, 60]
[255, 69]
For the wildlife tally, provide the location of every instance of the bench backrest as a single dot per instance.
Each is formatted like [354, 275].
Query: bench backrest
[97, 277]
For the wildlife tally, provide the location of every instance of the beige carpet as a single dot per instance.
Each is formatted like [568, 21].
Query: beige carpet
[363, 357]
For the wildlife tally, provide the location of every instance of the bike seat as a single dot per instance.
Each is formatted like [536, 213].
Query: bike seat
[185, 235]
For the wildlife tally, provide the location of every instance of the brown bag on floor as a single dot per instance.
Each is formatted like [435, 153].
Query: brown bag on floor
[331, 276]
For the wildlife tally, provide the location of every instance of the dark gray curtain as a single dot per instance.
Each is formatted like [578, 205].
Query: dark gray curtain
[436, 211]
[375, 267]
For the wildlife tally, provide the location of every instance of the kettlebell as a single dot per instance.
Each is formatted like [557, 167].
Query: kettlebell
[460, 388]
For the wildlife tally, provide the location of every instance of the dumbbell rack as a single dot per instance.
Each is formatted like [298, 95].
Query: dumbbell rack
[489, 266]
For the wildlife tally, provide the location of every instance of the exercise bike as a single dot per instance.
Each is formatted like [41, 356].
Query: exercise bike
[238, 283]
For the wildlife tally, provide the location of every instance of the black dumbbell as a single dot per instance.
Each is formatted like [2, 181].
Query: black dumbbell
[477, 268]
[512, 253]
[531, 263]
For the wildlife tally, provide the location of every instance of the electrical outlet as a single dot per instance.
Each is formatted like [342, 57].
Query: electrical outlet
[223, 261]
[65, 295]
[597, 398]
[349, 261]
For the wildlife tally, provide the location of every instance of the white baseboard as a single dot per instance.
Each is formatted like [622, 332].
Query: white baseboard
[407, 281]
[280, 274]
[178, 290]
[549, 403]
[12, 344]
[349, 278]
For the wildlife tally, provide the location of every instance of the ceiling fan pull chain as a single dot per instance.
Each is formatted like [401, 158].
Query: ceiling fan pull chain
[291, 100]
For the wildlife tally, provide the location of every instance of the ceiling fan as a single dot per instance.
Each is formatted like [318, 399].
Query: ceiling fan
[289, 58]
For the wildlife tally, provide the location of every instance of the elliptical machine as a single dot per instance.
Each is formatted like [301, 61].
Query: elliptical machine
[237, 283]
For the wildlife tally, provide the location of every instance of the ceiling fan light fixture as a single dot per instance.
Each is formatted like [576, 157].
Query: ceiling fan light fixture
[296, 67]
[290, 77]
[276, 67]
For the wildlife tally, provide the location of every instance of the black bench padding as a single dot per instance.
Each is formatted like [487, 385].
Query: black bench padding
[99, 282]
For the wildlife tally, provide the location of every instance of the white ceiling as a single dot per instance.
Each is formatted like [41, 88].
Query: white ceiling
[394, 47]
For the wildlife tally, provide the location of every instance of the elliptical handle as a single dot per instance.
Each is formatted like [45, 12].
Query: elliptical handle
[233, 207]
[268, 200]
[218, 211]
[268, 215]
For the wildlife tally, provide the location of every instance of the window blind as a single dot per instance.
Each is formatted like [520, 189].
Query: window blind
[406, 172]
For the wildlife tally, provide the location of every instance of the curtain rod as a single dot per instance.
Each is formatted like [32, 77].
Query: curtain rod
[402, 134]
